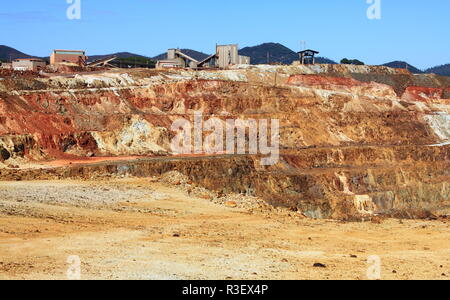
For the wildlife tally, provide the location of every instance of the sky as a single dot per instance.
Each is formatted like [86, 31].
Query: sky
[416, 31]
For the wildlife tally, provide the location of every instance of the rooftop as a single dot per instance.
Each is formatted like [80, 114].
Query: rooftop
[28, 59]
[309, 50]
[78, 51]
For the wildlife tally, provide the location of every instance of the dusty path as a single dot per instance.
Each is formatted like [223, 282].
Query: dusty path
[138, 229]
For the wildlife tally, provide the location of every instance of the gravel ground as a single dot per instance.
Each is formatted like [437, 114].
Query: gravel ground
[160, 228]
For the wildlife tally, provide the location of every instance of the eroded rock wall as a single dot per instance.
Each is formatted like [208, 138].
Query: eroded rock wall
[355, 140]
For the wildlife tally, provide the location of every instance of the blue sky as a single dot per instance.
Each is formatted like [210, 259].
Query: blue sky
[417, 31]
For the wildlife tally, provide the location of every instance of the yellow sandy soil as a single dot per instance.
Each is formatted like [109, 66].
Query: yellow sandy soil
[137, 229]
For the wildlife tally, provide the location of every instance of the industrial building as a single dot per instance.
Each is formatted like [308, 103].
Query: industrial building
[169, 63]
[177, 59]
[308, 56]
[225, 56]
[6, 65]
[28, 64]
[244, 60]
[228, 55]
[77, 57]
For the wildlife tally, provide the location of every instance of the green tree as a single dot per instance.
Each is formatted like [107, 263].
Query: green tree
[357, 62]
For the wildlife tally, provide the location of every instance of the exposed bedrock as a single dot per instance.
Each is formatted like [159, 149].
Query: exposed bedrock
[354, 141]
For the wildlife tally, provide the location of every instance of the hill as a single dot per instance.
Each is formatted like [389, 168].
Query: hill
[8, 53]
[275, 53]
[443, 70]
[123, 55]
[402, 65]
[192, 53]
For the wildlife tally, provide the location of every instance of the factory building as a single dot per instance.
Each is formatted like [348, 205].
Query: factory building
[77, 57]
[6, 65]
[169, 63]
[244, 60]
[225, 56]
[228, 55]
[28, 64]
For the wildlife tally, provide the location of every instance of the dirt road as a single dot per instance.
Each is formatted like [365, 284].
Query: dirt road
[139, 229]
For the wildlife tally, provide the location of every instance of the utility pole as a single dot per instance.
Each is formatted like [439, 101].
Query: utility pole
[303, 45]
[268, 58]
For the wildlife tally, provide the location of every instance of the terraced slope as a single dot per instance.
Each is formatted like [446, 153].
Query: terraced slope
[355, 140]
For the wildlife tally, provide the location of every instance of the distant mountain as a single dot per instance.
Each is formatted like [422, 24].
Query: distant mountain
[8, 53]
[275, 53]
[443, 70]
[199, 56]
[404, 65]
[119, 55]
[269, 53]
[325, 61]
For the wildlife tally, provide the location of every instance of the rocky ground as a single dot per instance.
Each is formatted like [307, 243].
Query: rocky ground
[166, 228]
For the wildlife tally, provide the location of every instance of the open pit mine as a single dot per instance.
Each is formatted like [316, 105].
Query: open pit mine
[87, 169]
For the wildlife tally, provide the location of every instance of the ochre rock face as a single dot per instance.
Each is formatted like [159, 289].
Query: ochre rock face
[354, 140]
